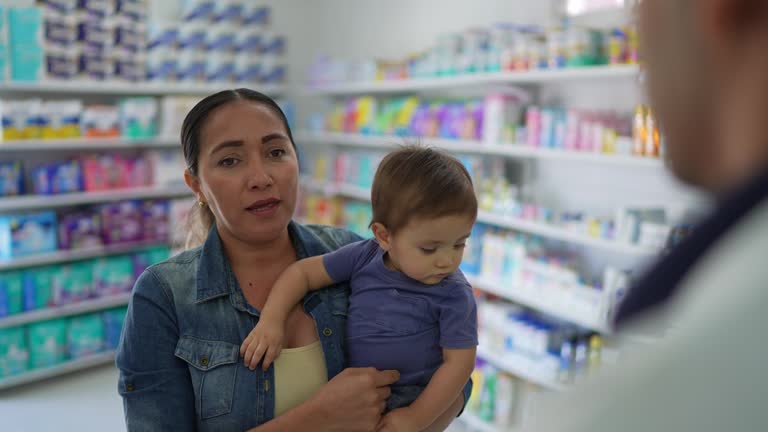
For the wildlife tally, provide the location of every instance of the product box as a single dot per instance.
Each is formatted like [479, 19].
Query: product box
[198, 11]
[14, 352]
[11, 178]
[167, 166]
[61, 119]
[37, 286]
[149, 257]
[100, 121]
[60, 30]
[57, 178]
[47, 343]
[103, 172]
[113, 275]
[74, 283]
[138, 117]
[85, 335]
[25, 27]
[22, 119]
[113, 326]
[79, 230]
[27, 234]
[121, 222]
[96, 66]
[11, 293]
[155, 221]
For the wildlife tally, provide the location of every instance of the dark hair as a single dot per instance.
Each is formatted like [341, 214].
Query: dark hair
[416, 181]
[201, 218]
[197, 117]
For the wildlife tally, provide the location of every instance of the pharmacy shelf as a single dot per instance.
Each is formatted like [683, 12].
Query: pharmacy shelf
[557, 233]
[528, 298]
[63, 256]
[537, 228]
[88, 144]
[522, 367]
[79, 87]
[65, 311]
[594, 73]
[476, 424]
[33, 202]
[60, 369]
[513, 151]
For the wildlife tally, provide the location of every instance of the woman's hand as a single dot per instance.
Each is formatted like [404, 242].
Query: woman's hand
[399, 420]
[353, 400]
[265, 340]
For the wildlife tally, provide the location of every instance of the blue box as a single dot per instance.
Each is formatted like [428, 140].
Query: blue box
[25, 26]
[11, 178]
[27, 64]
[57, 178]
[27, 234]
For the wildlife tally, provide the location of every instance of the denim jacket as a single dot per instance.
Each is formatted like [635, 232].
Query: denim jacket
[179, 357]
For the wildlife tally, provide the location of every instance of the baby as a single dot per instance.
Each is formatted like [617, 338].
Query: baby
[411, 309]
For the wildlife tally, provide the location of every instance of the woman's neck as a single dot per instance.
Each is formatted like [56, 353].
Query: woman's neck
[245, 255]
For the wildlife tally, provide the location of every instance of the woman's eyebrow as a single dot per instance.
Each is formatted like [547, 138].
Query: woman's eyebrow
[227, 144]
[273, 136]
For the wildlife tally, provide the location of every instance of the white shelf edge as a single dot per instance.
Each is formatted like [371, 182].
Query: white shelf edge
[65, 311]
[544, 230]
[476, 424]
[557, 233]
[518, 366]
[76, 254]
[129, 88]
[60, 369]
[519, 151]
[533, 302]
[31, 202]
[88, 143]
[478, 79]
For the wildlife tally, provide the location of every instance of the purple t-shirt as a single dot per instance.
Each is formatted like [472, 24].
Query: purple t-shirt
[396, 322]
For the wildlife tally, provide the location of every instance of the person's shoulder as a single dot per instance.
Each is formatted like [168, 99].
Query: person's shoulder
[458, 287]
[173, 274]
[332, 237]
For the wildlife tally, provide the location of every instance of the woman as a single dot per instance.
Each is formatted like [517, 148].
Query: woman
[179, 357]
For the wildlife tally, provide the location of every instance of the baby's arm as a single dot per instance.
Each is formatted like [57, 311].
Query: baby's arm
[445, 386]
[266, 339]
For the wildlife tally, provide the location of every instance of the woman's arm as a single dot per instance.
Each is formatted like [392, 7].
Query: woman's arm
[351, 402]
[266, 339]
[155, 385]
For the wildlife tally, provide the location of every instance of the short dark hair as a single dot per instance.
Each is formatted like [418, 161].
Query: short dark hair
[198, 116]
[420, 182]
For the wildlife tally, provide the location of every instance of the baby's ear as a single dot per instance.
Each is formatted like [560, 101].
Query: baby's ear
[382, 235]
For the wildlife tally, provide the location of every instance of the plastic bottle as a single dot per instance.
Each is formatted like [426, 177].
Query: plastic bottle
[640, 131]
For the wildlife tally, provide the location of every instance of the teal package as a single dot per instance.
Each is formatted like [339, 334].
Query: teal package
[47, 343]
[11, 293]
[26, 65]
[37, 286]
[14, 352]
[113, 326]
[138, 117]
[113, 275]
[85, 335]
[28, 234]
[73, 283]
[25, 26]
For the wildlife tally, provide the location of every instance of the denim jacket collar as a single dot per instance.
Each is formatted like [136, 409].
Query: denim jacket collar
[214, 276]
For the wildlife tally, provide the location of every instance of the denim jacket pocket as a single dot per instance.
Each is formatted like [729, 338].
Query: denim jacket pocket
[213, 369]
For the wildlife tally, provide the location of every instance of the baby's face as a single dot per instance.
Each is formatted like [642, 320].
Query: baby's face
[429, 250]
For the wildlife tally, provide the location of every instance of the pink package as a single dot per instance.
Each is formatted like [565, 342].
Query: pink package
[121, 222]
[533, 126]
[104, 172]
[137, 171]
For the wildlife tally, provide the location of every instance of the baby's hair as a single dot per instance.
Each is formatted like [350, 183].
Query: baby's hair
[415, 181]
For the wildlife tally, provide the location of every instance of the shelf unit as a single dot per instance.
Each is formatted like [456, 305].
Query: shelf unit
[117, 88]
[63, 256]
[532, 227]
[34, 202]
[89, 144]
[514, 151]
[94, 305]
[591, 321]
[60, 369]
[544, 76]
[522, 367]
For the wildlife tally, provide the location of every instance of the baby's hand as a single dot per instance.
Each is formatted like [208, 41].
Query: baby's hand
[265, 340]
[399, 420]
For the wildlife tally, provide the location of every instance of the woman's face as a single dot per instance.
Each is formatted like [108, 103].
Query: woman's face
[247, 172]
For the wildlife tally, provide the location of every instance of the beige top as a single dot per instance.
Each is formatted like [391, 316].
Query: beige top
[299, 373]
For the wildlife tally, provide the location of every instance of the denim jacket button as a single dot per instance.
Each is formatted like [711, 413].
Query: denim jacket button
[129, 387]
[204, 361]
[327, 331]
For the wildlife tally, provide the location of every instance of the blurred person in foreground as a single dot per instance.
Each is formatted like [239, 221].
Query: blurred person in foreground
[707, 65]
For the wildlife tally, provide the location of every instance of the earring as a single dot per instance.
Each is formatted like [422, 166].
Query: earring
[201, 204]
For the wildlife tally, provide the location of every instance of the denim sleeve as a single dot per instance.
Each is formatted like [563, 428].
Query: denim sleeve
[155, 385]
[467, 392]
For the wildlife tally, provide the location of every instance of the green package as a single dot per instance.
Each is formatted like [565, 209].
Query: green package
[85, 335]
[47, 343]
[14, 353]
[37, 286]
[113, 275]
[11, 293]
[73, 283]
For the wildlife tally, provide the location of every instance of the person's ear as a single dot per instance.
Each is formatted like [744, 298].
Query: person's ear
[382, 235]
[194, 184]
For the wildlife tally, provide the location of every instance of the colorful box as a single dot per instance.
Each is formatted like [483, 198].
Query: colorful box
[113, 275]
[80, 230]
[121, 222]
[47, 343]
[14, 352]
[11, 178]
[11, 293]
[155, 222]
[37, 285]
[85, 335]
[27, 234]
[57, 178]
[74, 283]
